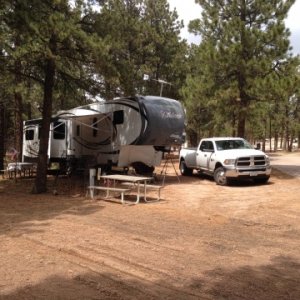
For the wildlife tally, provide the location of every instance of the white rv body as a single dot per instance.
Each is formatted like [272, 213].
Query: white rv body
[119, 132]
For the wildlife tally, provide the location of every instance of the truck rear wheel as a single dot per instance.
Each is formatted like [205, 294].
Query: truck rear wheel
[219, 176]
[184, 170]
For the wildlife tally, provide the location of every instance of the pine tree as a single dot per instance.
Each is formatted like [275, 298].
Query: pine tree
[244, 41]
[58, 45]
[144, 39]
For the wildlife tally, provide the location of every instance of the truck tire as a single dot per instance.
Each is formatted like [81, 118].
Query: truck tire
[219, 176]
[184, 170]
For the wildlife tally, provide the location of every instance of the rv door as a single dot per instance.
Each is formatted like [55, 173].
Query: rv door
[57, 145]
[30, 142]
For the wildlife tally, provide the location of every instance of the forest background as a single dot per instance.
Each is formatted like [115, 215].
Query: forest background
[241, 80]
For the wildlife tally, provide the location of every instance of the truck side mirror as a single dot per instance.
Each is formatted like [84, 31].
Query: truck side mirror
[257, 146]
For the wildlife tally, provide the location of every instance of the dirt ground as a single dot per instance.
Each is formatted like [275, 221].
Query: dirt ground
[202, 241]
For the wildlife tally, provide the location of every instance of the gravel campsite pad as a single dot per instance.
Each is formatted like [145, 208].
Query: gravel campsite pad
[201, 241]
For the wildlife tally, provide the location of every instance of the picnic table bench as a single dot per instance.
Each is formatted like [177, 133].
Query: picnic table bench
[22, 168]
[122, 191]
[147, 186]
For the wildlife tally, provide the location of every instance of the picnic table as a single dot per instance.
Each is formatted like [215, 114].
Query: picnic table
[21, 168]
[140, 183]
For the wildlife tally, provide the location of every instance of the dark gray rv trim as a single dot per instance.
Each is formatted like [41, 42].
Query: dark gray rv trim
[165, 121]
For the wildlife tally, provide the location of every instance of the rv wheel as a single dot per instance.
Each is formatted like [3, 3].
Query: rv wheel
[142, 169]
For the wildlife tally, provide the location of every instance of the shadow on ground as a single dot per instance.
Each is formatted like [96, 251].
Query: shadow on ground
[20, 210]
[278, 280]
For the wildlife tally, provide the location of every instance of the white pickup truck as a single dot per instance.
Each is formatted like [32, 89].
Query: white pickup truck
[226, 159]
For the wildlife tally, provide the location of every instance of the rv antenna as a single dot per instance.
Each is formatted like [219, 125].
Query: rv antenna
[162, 82]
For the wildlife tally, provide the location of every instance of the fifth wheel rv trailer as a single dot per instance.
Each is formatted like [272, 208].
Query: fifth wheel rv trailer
[123, 132]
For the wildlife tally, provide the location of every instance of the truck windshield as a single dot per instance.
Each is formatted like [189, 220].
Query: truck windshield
[232, 144]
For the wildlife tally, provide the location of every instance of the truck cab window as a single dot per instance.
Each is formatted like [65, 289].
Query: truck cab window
[202, 146]
[210, 146]
[207, 146]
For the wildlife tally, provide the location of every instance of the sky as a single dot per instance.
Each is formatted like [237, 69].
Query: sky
[188, 10]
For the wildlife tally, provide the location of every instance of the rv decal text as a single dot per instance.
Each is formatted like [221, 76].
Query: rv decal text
[170, 115]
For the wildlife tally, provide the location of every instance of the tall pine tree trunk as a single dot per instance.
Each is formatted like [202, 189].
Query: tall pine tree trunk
[233, 125]
[276, 130]
[270, 132]
[242, 82]
[276, 137]
[290, 148]
[241, 126]
[18, 135]
[18, 130]
[287, 129]
[2, 139]
[192, 137]
[40, 184]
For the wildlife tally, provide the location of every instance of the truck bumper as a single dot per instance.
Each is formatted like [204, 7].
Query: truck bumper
[257, 172]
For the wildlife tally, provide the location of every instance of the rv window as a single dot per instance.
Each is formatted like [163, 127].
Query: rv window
[29, 135]
[78, 130]
[95, 125]
[59, 130]
[119, 117]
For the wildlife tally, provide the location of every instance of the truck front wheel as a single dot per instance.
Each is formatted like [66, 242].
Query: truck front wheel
[219, 176]
[184, 170]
